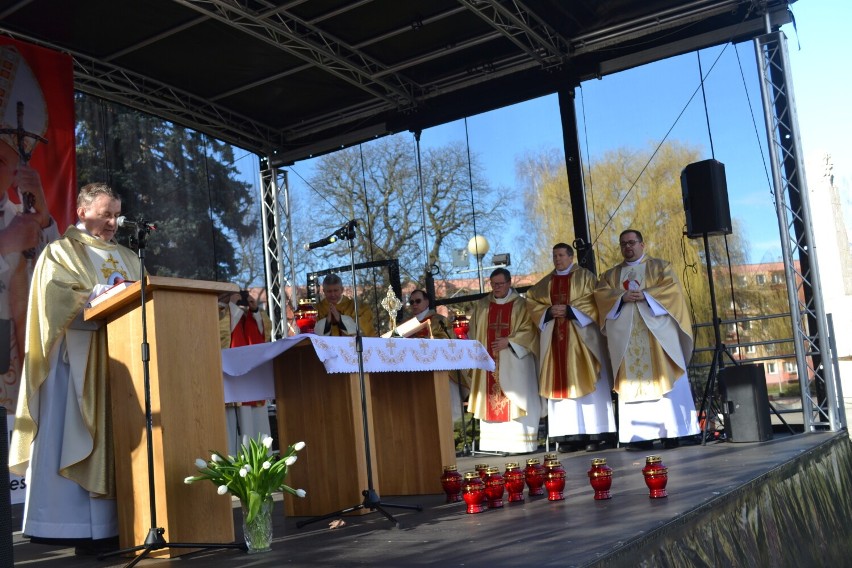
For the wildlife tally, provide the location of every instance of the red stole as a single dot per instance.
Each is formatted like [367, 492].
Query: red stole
[246, 332]
[499, 325]
[560, 294]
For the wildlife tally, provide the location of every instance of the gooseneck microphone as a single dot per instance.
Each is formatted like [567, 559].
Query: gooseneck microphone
[123, 221]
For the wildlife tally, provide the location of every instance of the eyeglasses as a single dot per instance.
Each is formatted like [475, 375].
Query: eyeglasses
[493, 283]
[416, 301]
[628, 243]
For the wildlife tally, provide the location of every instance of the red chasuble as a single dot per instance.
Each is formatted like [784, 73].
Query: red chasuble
[560, 294]
[499, 325]
[246, 332]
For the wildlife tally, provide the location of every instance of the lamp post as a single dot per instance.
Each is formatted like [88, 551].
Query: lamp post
[478, 246]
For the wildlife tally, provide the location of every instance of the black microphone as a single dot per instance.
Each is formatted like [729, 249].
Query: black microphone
[123, 221]
[333, 238]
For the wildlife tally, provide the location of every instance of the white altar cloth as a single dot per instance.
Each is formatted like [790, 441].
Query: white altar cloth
[248, 371]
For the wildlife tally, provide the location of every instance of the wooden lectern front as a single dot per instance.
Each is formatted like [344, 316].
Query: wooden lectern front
[187, 405]
[410, 422]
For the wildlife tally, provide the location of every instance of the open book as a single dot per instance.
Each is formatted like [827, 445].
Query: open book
[110, 292]
[409, 328]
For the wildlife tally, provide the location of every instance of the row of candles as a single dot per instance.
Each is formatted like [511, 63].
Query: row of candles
[485, 488]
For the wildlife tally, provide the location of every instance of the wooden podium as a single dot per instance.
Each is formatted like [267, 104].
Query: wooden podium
[411, 432]
[187, 405]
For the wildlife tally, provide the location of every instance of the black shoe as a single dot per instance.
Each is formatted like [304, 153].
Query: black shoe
[593, 446]
[566, 447]
[97, 547]
[671, 443]
[641, 445]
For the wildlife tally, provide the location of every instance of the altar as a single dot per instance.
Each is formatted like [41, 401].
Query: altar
[314, 381]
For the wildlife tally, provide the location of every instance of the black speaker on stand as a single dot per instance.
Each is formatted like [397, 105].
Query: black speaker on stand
[746, 403]
[705, 199]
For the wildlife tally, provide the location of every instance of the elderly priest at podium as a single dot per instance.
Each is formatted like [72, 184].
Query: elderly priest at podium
[506, 401]
[62, 439]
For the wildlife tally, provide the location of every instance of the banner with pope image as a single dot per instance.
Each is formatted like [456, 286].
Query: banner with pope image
[38, 183]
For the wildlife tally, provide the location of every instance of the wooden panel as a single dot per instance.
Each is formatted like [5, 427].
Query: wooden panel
[413, 430]
[187, 405]
[324, 411]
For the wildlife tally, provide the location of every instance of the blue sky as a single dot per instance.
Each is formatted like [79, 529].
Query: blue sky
[636, 108]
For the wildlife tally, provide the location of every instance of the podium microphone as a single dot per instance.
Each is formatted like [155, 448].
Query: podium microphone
[321, 243]
[123, 221]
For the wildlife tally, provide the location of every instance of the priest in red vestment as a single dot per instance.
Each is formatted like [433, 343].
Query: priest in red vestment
[506, 401]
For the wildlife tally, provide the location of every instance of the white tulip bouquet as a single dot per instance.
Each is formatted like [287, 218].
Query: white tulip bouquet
[253, 475]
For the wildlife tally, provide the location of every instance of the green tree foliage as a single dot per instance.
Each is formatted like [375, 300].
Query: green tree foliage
[181, 180]
[389, 208]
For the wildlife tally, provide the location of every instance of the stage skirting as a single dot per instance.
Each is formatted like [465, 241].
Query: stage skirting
[248, 371]
[798, 514]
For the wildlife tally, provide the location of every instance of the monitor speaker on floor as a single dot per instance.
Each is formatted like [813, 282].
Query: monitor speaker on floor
[746, 403]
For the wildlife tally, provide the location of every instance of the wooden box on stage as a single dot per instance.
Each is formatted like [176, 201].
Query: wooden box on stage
[187, 405]
[410, 424]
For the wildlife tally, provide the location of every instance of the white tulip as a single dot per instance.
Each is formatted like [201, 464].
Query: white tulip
[300, 493]
[291, 460]
[298, 446]
[215, 458]
[188, 480]
[243, 472]
[200, 463]
[267, 441]
[222, 489]
[267, 464]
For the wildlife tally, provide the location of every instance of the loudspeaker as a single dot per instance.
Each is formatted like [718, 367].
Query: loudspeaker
[705, 199]
[6, 552]
[745, 403]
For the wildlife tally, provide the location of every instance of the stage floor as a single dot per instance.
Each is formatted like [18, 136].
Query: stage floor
[578, 531]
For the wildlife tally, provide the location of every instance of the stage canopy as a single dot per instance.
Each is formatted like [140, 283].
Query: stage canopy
[292, 79]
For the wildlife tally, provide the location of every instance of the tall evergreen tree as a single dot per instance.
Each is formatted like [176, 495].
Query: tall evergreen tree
[181, 180]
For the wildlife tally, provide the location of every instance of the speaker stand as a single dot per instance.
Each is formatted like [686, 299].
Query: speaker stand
[719, 349]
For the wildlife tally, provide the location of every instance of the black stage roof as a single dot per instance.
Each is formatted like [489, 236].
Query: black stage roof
[291, 79]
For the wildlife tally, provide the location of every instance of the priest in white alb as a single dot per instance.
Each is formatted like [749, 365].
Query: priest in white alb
[62, 440]
[574, 372]
[645, 318]
[506, 402]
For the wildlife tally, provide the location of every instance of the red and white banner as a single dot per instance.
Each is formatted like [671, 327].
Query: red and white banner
[38, 190]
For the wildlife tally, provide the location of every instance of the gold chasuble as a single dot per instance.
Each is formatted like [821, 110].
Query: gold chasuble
[63, 279]
[346, 307]
[571, 354]
[648, 353]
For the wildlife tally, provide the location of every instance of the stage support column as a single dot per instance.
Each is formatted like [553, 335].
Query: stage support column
[576, 191]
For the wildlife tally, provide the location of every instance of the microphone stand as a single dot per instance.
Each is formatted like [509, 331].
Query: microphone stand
[371, 497]
[154, 540]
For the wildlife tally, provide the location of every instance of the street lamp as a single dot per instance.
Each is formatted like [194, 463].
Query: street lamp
[478, 247]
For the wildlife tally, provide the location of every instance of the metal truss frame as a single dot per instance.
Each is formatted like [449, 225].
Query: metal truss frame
[820, 388]
[273, 188]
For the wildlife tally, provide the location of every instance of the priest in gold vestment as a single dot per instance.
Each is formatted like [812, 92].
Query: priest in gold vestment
[645, 318]
[574, 363]
[506, 402]
[336, 312]
[62, 440]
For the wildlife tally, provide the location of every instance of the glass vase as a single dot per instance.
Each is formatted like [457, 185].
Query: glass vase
[258, 532]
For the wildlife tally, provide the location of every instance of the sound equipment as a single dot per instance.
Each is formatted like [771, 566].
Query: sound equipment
[6, 552]
[705, 199]
[745, 403]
